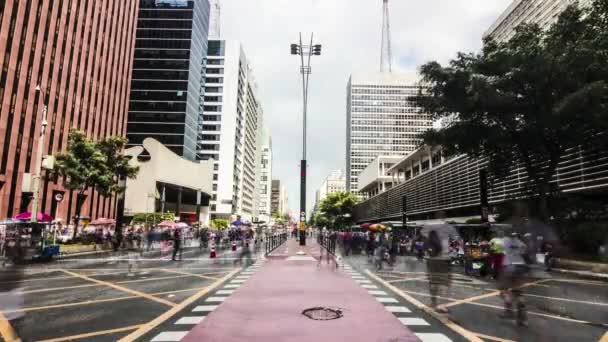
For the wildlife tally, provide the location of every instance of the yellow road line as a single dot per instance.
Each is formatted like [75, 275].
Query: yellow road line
[566, 300]
[91, 334]
[470, 336]
[493, 338]
[171, 312]
[604, 338]
[533, 313]
[121, 288]
[406, 279]
[96, 301]
[491, 294]
[188, 274]
[6, 330]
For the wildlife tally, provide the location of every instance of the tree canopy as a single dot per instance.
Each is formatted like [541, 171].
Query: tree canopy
[94, 164]
[335, 210]
[525, 101]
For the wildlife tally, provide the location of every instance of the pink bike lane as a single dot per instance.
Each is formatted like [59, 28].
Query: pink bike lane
[268, 307]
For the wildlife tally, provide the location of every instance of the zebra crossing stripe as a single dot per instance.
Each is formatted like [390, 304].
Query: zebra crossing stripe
[204, 308]
[190, 320]
[378, 293]
[432, 337]
[387, 300]
[215, 299]
[397, 309]
[169, 336]
[412, 321]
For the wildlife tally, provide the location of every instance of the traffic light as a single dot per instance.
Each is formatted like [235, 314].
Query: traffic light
[316, 50]
[295, 49]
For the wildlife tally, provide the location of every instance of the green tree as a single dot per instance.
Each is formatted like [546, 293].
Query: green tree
[527, 100]
[98, 165]
[336, 209]
[220, 223]
[152, 218]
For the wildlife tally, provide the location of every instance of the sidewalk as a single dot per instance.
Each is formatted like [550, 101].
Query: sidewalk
[268, 307]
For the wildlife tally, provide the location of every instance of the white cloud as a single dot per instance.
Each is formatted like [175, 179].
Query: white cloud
[350, 31]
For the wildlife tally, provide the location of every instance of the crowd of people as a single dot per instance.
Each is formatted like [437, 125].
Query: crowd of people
[505, 256]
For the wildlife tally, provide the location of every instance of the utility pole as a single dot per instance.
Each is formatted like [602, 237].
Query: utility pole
[304, 51]
[38, 165]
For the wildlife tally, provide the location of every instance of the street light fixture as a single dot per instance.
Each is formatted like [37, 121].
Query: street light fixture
[304, 51]
[38, 164]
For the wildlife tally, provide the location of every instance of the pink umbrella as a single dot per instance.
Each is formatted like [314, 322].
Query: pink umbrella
[169, 224]
[40, 217]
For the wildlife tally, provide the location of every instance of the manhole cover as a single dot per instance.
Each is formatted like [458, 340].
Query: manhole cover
[322, 314]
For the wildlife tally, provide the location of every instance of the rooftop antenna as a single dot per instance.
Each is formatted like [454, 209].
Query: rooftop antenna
[386, 54]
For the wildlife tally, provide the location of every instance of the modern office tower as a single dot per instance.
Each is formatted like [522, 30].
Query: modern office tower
[383, 119]
[79, 53]
[168, 73]
[541, 12]
[229, 129]
[265, 177]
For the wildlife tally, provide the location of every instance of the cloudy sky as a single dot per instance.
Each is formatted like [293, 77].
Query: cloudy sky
[350, 31]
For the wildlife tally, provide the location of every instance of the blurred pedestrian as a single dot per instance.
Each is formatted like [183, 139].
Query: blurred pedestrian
[177, 244]
[438, 269]
[511, 278]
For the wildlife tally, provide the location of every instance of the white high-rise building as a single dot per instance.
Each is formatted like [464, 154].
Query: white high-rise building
[229, 130]
[264, 192]
[383, 119]
[334, 182]
[541, 12]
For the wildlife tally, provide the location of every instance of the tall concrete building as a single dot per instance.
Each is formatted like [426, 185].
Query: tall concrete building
[334, 182]
[279, 201]
[383, 119]
[168, 73]
[264, 192]
[541, 12]
[80, 55]
[229, 129]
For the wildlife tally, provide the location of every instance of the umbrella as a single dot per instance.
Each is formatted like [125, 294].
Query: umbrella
[102, 221]
[181, 225]
[237, 223]
[169, 224]
[40, 217]
[366, 225]
[377, 227]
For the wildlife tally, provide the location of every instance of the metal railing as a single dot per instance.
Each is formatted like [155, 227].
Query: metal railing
[328, 242]
[274, 241]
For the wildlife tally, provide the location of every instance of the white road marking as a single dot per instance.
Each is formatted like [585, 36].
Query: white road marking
[215, 299]
[204, 308]
[378, 293]
[387, 300]
[232, 286]
[429, 337]
[168, 336]
[225, 292]
[190, 320]
[413, 321]
[395, 309]
[363, 281]
[365, 286]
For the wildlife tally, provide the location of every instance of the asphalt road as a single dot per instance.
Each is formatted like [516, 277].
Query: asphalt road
[560, 308]
[102, 299]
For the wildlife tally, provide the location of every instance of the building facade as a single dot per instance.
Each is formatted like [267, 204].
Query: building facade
[541, 12]
[334, 182]
[80, 55]
[264, 192]
[229, 129]
[375, 178]
[168, 73]
[279, 202]
[383, 119]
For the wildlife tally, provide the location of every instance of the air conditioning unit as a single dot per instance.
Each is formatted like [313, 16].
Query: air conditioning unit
[26, 183]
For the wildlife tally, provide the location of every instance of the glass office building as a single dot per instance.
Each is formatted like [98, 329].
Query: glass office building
[168, 73]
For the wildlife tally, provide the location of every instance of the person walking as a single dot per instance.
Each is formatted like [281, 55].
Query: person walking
[511, 278]
[497, 253]
[438, 269]
[177, 244]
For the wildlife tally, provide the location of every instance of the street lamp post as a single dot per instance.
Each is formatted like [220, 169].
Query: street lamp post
[38, 165]
[304, 51]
